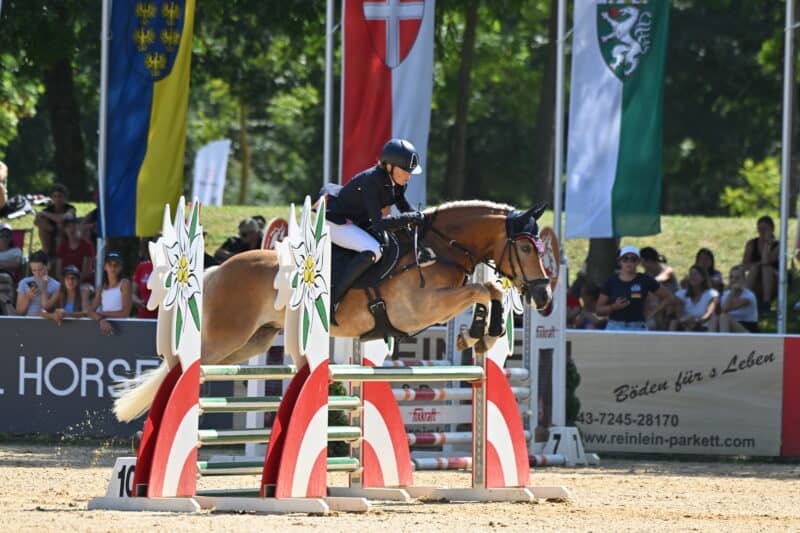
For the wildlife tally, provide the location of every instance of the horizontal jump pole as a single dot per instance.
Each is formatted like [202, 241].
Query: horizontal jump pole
[417, 362]
[240, 404]
[445, 437]
[419, 373]
[245, 372]
[442, 463]
[260, 436]
[516, 374]
[233, 468]
[442, 394]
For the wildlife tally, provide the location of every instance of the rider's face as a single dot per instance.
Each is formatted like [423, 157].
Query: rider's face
[400, 176]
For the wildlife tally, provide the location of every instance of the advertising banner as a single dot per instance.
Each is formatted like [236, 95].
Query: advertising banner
[59, 380]
[679, 393]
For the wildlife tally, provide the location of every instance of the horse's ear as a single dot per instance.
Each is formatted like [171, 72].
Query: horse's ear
[537, 211]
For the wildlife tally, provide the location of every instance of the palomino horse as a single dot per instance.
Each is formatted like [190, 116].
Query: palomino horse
[240, 320]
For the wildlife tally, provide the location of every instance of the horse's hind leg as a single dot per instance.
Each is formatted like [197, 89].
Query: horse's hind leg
[257, 344]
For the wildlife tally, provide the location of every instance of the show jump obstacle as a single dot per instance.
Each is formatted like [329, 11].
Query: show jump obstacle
[294, 469]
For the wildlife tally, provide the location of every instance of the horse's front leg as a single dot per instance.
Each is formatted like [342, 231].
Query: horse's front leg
[496, 322]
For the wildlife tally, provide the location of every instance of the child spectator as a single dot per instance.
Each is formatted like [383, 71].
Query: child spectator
[739, 309]
[10, 263]
[75, 251]
[37, 292]
[51, 219]
[140, 277]
[249, 238]
[761, 261]
[112, 299]
[699, 302]
[72, 300]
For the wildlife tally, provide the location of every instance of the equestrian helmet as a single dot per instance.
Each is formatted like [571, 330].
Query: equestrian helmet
[401, 153]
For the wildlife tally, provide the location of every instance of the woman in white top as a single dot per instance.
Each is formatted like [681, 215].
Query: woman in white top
[113, 298]
[739, 308]
[699, 302]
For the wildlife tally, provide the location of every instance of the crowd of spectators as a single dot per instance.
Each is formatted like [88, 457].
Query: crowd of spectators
[60, 284]
[654, 299]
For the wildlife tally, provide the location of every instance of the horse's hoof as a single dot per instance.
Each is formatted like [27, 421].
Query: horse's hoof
[480, 347]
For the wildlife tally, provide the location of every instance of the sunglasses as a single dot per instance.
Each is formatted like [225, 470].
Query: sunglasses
[629, 259]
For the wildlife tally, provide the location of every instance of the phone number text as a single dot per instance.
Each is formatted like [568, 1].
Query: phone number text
[629, 419]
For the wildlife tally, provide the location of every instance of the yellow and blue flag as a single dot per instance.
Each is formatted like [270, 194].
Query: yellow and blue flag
[148, 95]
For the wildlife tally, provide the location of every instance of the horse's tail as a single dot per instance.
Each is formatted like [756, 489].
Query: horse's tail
[137, 394]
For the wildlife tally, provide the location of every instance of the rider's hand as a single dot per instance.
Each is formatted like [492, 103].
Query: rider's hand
[416, 217]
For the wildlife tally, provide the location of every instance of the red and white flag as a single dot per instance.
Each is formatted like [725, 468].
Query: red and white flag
[387, 80]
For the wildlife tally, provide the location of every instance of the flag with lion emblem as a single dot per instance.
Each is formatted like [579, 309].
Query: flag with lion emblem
[614, 150]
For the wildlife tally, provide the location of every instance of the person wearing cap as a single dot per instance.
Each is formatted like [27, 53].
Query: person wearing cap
[112, 299]
[250, 237]
[359, 206]
[72, 299]
[74, 250]
[51, 219]
[37, 292]
[623, 296]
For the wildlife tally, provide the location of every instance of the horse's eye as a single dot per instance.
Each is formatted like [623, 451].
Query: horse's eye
[526, 248]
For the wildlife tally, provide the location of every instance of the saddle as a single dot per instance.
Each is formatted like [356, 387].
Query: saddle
[394, 245]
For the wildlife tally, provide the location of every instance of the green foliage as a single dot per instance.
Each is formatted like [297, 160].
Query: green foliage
[760, 191]
[18, 98]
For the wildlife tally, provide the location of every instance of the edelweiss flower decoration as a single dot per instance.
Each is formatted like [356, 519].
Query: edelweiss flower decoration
[182, 282]
[512, 303]
[309, 279]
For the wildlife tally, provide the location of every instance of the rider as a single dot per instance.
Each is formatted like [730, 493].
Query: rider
[358, 206]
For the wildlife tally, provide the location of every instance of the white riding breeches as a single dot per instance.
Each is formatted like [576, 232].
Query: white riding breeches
[352, 237]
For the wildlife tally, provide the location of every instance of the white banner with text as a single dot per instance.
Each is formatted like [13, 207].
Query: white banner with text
[679, 393]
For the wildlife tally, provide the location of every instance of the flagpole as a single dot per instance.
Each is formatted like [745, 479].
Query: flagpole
[786, 158]
[101, 144]
[558, 156]
[326, 161]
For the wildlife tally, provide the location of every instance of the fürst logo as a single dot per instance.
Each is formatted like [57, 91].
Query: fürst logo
[420, 414]
[545, 333]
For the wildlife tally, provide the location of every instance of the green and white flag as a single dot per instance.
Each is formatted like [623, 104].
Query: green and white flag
[614, 150]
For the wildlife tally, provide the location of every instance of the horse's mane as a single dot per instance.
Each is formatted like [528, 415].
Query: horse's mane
[469, 204]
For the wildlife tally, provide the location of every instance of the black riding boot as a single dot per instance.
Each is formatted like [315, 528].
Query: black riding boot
[357, 266]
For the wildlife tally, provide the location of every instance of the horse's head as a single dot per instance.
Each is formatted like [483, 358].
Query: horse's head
[522, 260]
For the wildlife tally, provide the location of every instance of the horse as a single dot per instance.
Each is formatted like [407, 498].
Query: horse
[240, 321]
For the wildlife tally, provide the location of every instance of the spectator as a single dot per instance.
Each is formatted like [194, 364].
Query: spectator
[87, 225]
[705, 259]
[655, 265]
[37, 292]
[624, 294]
[761, 260]
[699, 302]
[249, 238]
[72, 299]
[3, 185]
[75, 251]
[140, 277]
[112, 299]
[50, 220]
[588, 318]
[739, 310]
[10, 263]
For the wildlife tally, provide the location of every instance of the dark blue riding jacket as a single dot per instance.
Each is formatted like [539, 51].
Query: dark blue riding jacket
[362, 199]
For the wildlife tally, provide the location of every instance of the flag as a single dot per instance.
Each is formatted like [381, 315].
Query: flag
[387, 82]
[148, 95]
[210, 169]
[614, 150]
